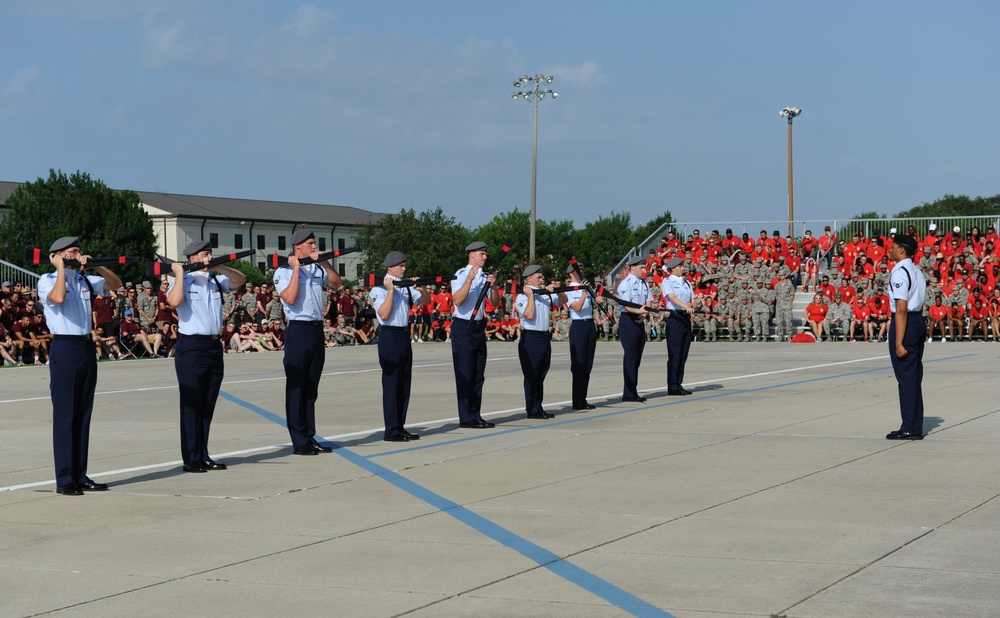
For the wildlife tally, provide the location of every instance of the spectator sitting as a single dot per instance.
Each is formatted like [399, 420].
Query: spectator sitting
[106, 345]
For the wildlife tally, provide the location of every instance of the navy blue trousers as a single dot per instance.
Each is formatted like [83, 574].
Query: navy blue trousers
[678, 345]
[633, 339]
[72, 381]
[582, 346]
[534, 350]
[468, 352]
[910, 371]
[303, 361]
[395, 356]
[200, 369]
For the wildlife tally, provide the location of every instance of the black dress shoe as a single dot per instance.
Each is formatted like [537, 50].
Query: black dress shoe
[211, 464]
[488, 424]
[396, 438]
[475, 425]
[320, 448]
[904, 435]
[540, 415]
[585, 406]
[677, 393]
[195, 466]
[89, 485]
[69, 489]
[685, 391]
[411, 436]
[308, 449]
[635, 399]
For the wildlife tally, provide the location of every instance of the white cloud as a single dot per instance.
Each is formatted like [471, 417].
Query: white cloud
[587, 74]
[22, 92]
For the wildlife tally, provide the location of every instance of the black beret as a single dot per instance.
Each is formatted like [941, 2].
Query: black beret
[197, 247]
[64, 243]
[301, 236]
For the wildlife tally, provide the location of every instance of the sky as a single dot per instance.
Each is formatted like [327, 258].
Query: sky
[384, 105]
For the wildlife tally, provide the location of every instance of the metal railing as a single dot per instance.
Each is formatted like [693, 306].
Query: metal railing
[843, 228]
[14, 274]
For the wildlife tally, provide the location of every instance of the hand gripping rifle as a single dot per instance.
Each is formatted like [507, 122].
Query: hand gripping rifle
[162, 265]
[276, 260]
[486, 287]
[36, 257]
[590, 290]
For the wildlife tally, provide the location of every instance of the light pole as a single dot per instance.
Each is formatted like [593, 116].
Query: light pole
[790, 112]
[533, 95]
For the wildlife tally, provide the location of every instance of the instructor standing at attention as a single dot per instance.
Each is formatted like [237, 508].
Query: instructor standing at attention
[468, 336]
[907, 330]
[395, 353]
[300, 289]
[197, 298]
[680, 302]
[633, 289]
[67, 297]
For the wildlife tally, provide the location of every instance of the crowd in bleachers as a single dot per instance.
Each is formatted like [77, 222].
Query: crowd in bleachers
[744, 289]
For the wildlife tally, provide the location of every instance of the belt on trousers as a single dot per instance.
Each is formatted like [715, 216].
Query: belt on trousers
[305, 322]
[402, 329]
[72, 337]
[583, 319]
[201, 337]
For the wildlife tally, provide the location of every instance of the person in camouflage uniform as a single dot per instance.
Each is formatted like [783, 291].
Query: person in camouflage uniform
[147, 306]
[276, 312]
[743, 324]
[560, 326]
[838, 318]
[605, 327]
[784, 294]
[725, 311]
[761, 309]
[742, 270]
[959, 293]
[248, 305]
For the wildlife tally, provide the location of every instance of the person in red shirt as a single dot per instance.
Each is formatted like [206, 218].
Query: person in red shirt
[810, 247]
[879, 317]
[979, 317]
[826, 289]
[956, 323]
[847, 292]
[730, 243]
[815, 315]
[864, 267]
[826, 245]
[809, 274]
[940, 316]
[671, 241]
[746, 245]
[860, 316]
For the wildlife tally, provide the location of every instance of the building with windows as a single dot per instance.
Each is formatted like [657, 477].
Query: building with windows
[232, 224]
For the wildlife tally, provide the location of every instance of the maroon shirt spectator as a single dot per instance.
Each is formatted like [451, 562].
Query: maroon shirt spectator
[346, 307]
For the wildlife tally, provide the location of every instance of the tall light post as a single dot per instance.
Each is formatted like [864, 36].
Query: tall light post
[534, 95]
[790, 112]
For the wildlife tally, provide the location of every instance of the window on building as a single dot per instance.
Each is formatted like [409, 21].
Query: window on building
[281, 243]
[341, 270]
[260, 242]
[322, 244]
[360, 274]
[262, 266]
[214, 239]
[238, 241]
[340, 244]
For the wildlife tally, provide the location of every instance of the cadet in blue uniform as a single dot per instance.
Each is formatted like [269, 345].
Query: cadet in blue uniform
[534, 347]
[680, 301]
[907, 330]
[468, 337]
[300, 289]
[395, 354]
[197, 298]
[582, 340]
[67, 298]
[630, 329]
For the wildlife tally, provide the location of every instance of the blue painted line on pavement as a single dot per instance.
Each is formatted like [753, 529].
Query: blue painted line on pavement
[604, 589]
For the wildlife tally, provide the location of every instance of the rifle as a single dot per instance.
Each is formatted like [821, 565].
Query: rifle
[34, 257]
[276, 261]
[486, 287]
[374, 280]
[156, 269]
[590, 290]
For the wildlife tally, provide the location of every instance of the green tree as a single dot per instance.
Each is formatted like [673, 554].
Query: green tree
[108, 222]
[643, 231]
[552, 240]
[955, 206]
[253, 274]
[433, 243]
[602, 243]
